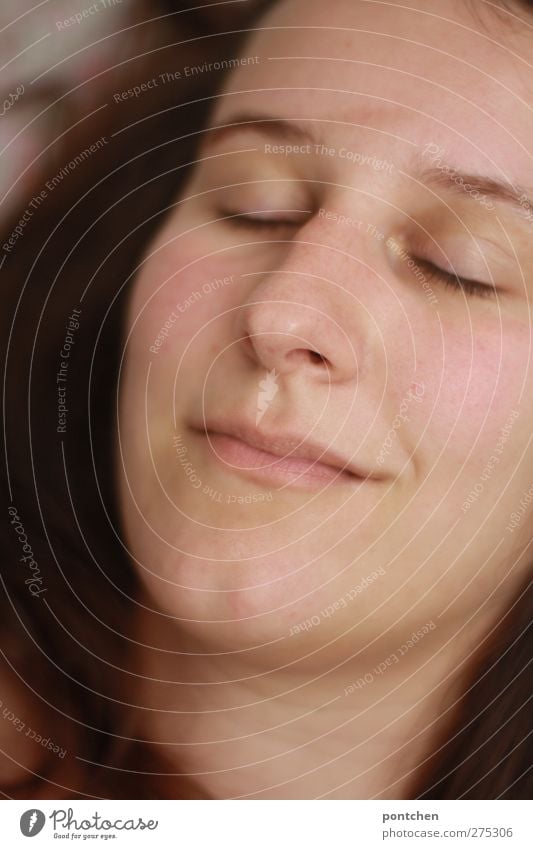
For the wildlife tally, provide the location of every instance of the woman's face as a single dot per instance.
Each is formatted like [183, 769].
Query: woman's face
[293, 302]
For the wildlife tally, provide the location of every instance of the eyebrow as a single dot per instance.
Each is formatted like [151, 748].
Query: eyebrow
[454, 180]
[447, 176]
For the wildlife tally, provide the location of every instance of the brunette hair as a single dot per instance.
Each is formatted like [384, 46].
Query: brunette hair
[72, 254]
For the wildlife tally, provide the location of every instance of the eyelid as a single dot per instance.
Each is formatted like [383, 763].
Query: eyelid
[262, 217]
[424, 253]
[450, 279]
[477, 252]
[475, 266]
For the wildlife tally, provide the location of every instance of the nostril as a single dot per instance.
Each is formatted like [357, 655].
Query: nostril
[274, 350]
[317, 358]
[305, 354]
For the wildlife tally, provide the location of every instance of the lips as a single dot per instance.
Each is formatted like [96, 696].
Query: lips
[285, 458]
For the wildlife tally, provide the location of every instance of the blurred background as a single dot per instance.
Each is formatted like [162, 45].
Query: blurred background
[62, 62]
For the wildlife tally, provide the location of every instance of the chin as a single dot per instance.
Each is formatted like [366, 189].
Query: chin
[236, 604]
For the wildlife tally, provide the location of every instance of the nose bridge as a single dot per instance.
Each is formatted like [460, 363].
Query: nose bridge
[302, 312]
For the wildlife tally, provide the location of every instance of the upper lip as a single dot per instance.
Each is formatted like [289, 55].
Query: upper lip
[285, 445]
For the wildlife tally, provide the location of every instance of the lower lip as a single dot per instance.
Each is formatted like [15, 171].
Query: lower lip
[238, 456]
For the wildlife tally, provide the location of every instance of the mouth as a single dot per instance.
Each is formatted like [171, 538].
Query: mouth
[282, 460]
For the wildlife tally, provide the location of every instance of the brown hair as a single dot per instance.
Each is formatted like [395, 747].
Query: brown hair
[74, 247]
[78, 249]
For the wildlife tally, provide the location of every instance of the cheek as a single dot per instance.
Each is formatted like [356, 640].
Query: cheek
[474, 376]
[176, 300]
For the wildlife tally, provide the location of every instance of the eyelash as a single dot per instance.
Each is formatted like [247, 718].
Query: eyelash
[252, 222]
[472, 288]
[453, 281]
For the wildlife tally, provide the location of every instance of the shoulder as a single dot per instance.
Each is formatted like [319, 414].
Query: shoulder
[27, 731]
[37, 744]
[19, 757]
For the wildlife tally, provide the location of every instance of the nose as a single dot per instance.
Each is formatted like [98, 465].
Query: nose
[290, 322]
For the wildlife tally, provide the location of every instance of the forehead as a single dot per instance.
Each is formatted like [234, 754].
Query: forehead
[459, 77]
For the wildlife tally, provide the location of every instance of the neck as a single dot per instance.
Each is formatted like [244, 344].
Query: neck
[243, 729]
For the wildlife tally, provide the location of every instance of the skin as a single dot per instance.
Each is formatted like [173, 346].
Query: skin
[239, 697]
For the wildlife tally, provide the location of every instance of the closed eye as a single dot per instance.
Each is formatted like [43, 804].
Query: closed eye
[273, 219]
[261, 220]
[454, 281]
